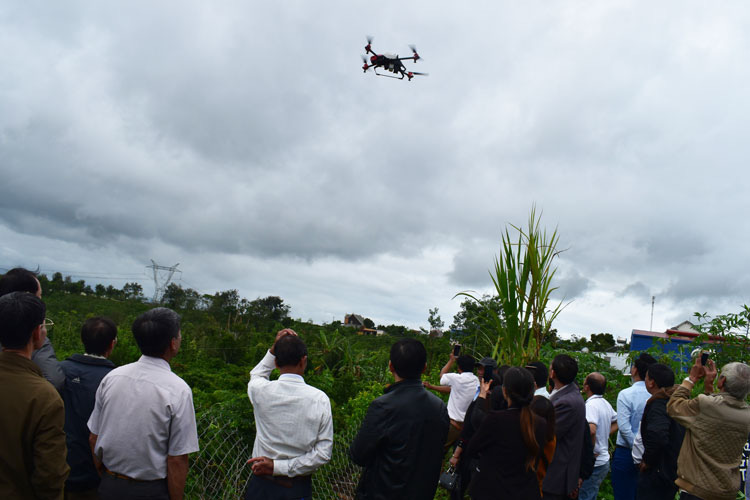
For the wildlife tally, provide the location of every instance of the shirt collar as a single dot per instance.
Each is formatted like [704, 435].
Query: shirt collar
[156, 362]
[94, 356]
[594, 396]
[555, 391]
[292, 377]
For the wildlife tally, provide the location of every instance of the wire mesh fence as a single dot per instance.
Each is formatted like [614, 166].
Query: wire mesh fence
[220, 472]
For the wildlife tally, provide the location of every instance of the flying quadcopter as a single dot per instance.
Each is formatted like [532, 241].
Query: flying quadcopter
[390, 62]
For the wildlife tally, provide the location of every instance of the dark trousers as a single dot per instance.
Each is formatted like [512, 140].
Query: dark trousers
[261, 488]
[651, 486]
[115, 488]
[624, 474]
[91, 494]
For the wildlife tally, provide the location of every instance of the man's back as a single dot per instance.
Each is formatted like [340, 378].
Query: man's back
[600, 413]
[464, 388]
[143, 413]
[630, 405]
[400, 444]
[83, 374]
[32, 456]
[570, 413]
[293, 421]
[716, 430]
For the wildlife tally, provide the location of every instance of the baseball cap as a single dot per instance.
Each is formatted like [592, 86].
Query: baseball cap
[487, 362]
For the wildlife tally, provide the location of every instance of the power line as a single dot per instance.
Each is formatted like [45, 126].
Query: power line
[95, 275]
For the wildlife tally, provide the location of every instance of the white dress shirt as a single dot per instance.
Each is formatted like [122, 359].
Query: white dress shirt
[143, 413]
[293, 421]
[542, 391]
[637, 452]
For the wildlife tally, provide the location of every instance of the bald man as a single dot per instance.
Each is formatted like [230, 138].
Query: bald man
[602, 421]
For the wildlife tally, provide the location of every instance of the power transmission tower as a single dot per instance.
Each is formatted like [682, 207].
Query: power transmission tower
[165, 277]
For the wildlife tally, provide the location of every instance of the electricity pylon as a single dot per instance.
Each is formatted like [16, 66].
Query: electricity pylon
[165, 277]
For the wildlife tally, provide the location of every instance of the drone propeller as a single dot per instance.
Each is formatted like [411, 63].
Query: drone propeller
[369, 39]
[366, 66]
[414, 51]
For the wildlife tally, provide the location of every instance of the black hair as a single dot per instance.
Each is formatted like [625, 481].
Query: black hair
[539, 372]
[565, 367]
[97, 335]
[466, 363]
[519, 386]
[155, 329]
[661, 374]
[289, 350]
[20, 314]
[642, 364]
[543, 408]
[500, 373]
[597, 383]
[409, 358]
[19, 279]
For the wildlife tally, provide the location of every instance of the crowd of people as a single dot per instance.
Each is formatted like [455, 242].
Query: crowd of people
[85, 429]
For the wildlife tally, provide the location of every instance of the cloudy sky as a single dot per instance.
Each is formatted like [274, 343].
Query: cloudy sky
[243, 141]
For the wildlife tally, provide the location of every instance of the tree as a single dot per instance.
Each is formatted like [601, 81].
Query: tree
[472, 318]
[177, 297]
[523, 281]
[436, 323]
[368, 323]
[395, 330]
[601, 342]
[271, 307]
[132, 291]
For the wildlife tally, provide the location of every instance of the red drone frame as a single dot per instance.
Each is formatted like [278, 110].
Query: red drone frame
[390, 62]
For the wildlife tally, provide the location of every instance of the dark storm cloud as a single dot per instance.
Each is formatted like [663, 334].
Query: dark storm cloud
[637, 290]
[571, 284]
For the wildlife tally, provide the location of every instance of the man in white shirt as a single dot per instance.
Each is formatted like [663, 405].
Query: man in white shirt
[294, 427]
[143, 423]
[602, 421]
[462, 387]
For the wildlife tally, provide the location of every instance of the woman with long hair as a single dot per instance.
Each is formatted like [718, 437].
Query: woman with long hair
[509, 444]
[543, 408]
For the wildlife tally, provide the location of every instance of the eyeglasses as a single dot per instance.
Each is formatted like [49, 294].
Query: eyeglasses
[48, 323]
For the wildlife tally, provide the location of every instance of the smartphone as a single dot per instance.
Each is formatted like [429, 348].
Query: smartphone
[456, 349]
[704, 358]
[487, 373]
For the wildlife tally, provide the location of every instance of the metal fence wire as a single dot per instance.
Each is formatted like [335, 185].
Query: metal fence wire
[220, 471]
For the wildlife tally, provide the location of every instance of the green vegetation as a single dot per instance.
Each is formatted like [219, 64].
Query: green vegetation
[523, 281]
[226, 335]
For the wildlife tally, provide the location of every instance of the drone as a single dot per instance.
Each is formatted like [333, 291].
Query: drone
[390, 62]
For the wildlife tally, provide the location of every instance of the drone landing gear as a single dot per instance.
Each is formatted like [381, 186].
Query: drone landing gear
[391, 76]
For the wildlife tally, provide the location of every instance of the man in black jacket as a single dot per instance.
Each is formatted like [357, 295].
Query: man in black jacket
[83, 373]
[662, 438]
[400, 443]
